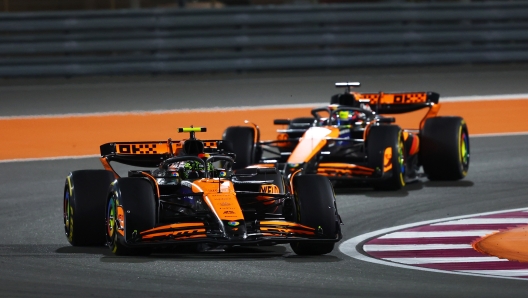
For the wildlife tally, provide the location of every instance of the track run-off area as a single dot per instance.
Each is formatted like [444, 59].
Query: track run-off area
[42, 140]
[48, 136]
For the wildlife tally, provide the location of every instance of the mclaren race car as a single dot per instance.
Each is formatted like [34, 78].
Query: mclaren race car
[186, 193]
[355, 139]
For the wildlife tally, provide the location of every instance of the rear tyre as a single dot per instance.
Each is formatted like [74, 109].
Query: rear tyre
[84, 202]
[131, 209]
[316, 207]
[385, 150]
[444, 148]
[242, 142]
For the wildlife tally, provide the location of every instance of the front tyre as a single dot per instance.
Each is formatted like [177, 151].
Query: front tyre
[385, 151]
[316, 207]
[84, 206]
[131, 208]
[444, 148]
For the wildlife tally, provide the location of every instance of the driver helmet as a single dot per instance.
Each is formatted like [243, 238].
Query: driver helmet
[189, 169]
[345, 117]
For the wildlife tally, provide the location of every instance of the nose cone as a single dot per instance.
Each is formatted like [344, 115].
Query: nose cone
[313, 140]
[235, 229]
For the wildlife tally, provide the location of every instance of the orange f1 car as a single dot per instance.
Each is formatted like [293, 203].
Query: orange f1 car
[186, 193]
[353, 140]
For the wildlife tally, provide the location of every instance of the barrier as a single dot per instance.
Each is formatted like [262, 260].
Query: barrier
[153, 41]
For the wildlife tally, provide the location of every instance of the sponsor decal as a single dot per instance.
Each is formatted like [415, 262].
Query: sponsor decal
[269, 188]
[137, 149]
[229, 212]
[219, 198]
[410, 98]
[225, 204]
[233, 223]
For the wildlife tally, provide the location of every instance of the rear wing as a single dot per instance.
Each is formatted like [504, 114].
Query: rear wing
[148, 154]
[396, 103]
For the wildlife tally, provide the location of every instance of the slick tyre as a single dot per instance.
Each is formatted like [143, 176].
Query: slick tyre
[84, 204]
[131, 208]
[444, 148]
[385, 150]
[316, 207]
[242, 142]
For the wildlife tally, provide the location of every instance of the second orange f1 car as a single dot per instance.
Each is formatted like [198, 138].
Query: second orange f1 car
[354, 139]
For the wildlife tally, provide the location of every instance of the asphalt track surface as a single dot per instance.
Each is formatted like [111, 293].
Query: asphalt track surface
[37, 261]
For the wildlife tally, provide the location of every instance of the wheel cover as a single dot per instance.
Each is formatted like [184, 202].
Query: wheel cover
[464, 149]
[111, 225]
[401, 160]
[68, 216]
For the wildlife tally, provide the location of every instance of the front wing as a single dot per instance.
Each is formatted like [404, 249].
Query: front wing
[263, 232]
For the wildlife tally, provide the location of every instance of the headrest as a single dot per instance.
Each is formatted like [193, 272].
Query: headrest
[344, 99]
[193, 147]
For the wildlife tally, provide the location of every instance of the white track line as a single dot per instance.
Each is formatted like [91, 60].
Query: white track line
[505, 273]
[399, 235]
[484, 97]
[160, 112]
[48, 158]
[243, 108]
[254, 108]
[399, 247]
[478, 221]
[499, 134]
[441, 260]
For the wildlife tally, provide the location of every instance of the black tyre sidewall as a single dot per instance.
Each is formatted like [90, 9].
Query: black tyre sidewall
[241, 139]
[440, 145]
[315, 207]
[136, 197]
[85, 193]
[378, 139]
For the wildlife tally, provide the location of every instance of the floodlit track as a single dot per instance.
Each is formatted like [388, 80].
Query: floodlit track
[36, 259]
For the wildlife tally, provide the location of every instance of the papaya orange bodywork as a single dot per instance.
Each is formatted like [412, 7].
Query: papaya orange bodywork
[108, 167]
[156, 147]
[313, 140]
[176, 226]
[432, 112]
[220, 197]
[178, 235]
[121, 220]
[278, 228]
[343, 169]
[387, 157]
[284, 223]
[394, 98]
